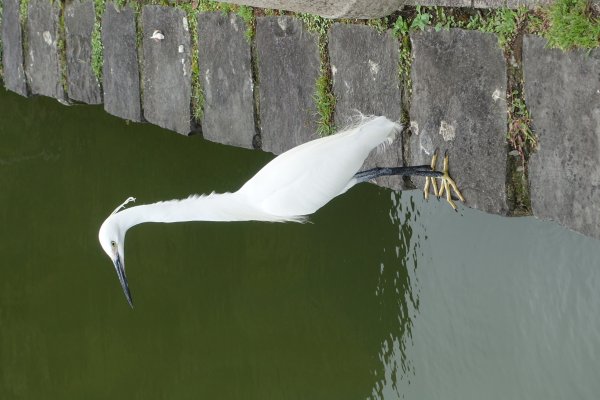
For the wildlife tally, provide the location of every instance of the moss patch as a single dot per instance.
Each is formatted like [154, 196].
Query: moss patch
[24, 12]
[61, 47]
[323, 96]
[97, 47]
[572, 24]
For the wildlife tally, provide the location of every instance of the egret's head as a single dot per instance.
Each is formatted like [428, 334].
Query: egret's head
[112, 240]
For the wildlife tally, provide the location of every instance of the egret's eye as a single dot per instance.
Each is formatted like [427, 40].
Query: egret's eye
[113, 244]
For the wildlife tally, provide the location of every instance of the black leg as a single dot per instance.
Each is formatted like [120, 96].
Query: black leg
[420, 170]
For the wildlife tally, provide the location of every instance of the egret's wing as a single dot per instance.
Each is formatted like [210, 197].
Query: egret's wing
[300, 183]
[303, 179]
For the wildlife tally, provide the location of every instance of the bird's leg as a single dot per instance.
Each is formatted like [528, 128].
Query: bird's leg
[430, 179]
[418, 170]
[449, 183]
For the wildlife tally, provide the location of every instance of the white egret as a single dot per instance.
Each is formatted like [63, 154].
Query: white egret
[290, 187]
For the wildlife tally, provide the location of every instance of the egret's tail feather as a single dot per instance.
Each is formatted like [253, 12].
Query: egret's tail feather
[383, 146]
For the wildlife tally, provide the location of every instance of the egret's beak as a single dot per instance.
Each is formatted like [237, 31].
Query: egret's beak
[123, 279]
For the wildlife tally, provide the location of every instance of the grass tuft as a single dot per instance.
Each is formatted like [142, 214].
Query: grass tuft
[315, 24]
[520, 135]
[504, 22]
[120, 4]
[401, 29]
[380, 24]
[62, 49]
[572, 24]
[421, 20]
[325, 102]
[444, 20]
[97, 46]
[192, 13]
[23, 12]
[247, 14]
[323, 96]
[205, 6]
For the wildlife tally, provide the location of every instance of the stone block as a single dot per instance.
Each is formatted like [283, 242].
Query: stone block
[121, 76]
[82, 83]
[288, 67]
[363, 9]
[12, 42]
[438, 3]
[167, 68]
[527, 3]
[364, 65]
[489, 3]
[562, 91]
[226, 73]
[459, 105]
[42, 66]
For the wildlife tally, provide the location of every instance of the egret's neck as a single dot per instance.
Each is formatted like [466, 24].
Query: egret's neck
[213, 207]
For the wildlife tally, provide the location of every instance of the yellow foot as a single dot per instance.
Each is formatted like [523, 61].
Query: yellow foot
[430, 180]
[447, 183]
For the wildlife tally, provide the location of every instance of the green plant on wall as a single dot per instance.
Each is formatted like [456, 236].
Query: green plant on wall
[421, 20]
[520, 135]
[503, 22]
[23, 11]
[97, 47]
[247, 15]
[571, 24]
[192, 13]
[401, 27]
[380, 24]
[323, 96]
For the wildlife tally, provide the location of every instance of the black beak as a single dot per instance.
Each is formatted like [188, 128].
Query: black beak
[123, 279]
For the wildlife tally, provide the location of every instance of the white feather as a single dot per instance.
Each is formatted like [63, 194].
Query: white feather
[293, 185]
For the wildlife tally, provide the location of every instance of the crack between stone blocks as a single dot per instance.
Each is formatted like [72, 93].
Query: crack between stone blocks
[519, 127]
[62, 51]
[257, 138]
[23, 16]
[197, 94]
[324, 97]
[97, 55]
[137, 12]
[405, 58]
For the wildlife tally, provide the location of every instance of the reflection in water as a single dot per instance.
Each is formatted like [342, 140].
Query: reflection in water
[397, 290]
[22, 140]
[6, 161]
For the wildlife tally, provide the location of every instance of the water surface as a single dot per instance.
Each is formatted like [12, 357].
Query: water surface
[382, 296]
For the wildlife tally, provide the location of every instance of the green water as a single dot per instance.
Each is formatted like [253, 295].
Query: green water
[382, 296]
